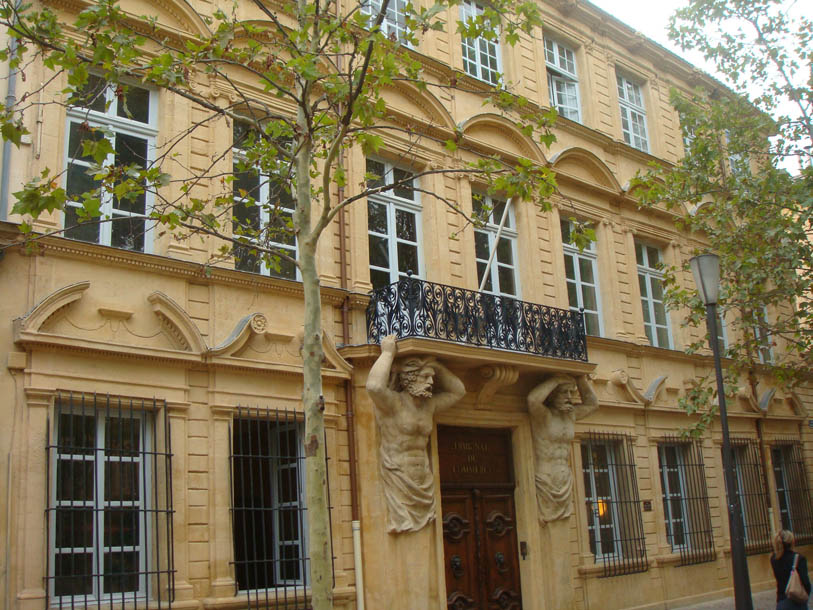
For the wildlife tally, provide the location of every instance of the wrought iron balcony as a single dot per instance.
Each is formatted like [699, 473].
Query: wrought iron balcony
[417, 308]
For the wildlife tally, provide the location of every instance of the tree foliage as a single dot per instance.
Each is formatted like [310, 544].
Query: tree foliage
[304, 82]
[745, 186]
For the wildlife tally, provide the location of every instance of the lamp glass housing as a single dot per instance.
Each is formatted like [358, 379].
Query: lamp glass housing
[706, 271]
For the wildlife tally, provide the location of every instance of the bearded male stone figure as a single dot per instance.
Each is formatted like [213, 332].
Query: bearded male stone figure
[553, 418]
[406, 397]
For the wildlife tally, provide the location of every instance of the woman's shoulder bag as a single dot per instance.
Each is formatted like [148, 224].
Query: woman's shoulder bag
[795, 591]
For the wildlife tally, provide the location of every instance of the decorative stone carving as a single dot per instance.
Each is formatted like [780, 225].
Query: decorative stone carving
[553, 420]
[406, 395]
[621, 379]
[496, 376]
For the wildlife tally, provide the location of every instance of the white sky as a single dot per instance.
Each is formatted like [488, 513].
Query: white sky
[651, 19]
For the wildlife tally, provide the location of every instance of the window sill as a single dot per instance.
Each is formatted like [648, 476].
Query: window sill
[595, 570]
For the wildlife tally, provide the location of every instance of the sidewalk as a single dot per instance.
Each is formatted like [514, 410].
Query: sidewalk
[764, 600]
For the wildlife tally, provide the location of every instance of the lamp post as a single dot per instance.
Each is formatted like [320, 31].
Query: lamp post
[706, 271]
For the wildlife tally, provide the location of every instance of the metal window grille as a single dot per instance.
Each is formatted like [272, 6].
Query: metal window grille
[109, 503]
[792, 489]
[613, 506]
[685, 500]
[269, 516]
[752, 492]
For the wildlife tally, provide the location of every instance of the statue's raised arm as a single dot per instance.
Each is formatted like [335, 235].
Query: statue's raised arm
[378, 381]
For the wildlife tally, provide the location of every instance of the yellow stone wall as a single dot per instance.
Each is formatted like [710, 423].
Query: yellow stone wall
[113, 337]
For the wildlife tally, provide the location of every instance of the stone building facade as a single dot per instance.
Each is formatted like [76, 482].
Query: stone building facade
[153, 396]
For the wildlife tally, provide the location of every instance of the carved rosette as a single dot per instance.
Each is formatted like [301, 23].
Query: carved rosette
[455, 526]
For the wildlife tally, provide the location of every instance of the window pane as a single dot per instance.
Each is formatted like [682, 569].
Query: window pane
[481, 249]
[505, 253]
[120, 572]
[86, 231]
[78, 181]
[72, 574]
[377, 217]
[404, 191]
[589, 298]
[122, 436]
[92, 95]
[377, 169]
[74, 480]
[121, 527]
[77, 434]
[74, 527]
[663, 337]
[121, 481]
[572, 295]
[78, 132]
[379, 279]
[591, 323]
[405, 225]
[379, 251]
[246, 216]
[128, 232]
[407, 258]
[506, 277]
[586, 270]
[135, 104]
[570, 270]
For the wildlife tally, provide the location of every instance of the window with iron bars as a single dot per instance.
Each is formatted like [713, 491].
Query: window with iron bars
[749, 483]
[614, 523]
[269, 516]
[109, 503]
[685, 500]
[792, 491]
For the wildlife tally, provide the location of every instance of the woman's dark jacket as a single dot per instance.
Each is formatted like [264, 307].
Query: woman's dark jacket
[781, 570]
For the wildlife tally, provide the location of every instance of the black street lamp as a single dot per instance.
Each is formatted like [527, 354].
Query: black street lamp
[706, 271]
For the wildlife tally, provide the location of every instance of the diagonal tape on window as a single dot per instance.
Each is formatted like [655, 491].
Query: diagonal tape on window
[268, 512]
[685, 499]
[749, 482]
[109, 503]
[615, 526]
[792, 489]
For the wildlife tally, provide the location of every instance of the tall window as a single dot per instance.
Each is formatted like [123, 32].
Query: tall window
[394, 23]
[563, 84]
[762, 337]
[650, 282]
[749, 485]
[262, 214]
[685, 501]
[481, 57]
[393, 223]
[633, 113]
[502, 274]
[269, 516]
[109, 503]
[792, 490]
[128, 121]
[614, 523]
[582, 280]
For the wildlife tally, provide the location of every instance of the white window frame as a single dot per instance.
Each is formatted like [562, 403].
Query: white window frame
[99, 505]
[590, 257]
[783, 492]
[611, 501]
[481, 57]
[650, 274]
[394, 22]
[510, 234]
[393, 204]
[560, 61]
[110, 121]
[633, 113]
[264, 195]
[669, 494]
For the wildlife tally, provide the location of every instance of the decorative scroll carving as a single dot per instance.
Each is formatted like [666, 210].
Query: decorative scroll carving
[177, 324]
[455, 526]
[48, 307]
[496, 376]
[621, 379]
[506, 599]
[499, 524]
[459, 601]
[795, 403]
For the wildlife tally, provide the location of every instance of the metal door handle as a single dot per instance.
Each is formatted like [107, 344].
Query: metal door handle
[457, 566]
[500, 558]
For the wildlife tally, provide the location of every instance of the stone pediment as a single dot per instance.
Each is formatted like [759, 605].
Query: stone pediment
[72, 317]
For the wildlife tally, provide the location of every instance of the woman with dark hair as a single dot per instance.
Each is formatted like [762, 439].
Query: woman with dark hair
[782, 563]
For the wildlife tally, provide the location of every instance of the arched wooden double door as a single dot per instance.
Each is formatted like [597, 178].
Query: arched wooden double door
[479, 519]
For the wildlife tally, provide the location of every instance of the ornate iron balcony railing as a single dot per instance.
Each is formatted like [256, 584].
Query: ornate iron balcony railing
[417, 308]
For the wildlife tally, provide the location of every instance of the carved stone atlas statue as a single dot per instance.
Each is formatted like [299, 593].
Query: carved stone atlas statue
[553, 418]
[406, 395]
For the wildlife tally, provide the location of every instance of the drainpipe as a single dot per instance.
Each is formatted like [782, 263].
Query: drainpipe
[350, 413]
[496, 243]
[11, 99]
